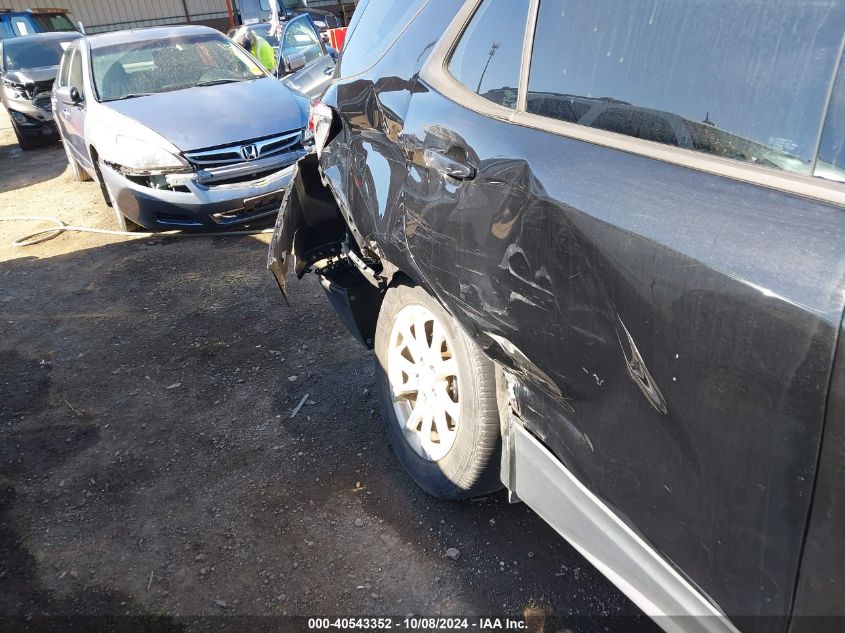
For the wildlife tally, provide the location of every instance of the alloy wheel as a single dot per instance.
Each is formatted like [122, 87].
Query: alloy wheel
[423, 375]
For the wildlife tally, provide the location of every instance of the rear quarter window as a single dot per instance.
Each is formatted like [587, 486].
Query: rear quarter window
[375, 27]
[64, 70]
[743, 80]
[488, 56]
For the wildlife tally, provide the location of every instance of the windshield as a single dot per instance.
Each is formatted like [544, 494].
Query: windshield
[54, 22]
[154, 66]
[23, 54]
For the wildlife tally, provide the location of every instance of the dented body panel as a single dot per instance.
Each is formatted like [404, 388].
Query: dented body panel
[668, 334]
[673, 332]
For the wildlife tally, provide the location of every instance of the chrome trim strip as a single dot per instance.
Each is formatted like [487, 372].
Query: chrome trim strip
[213, 156]
[208, 176]
[543, 483]
[527, 47]
[807, 186]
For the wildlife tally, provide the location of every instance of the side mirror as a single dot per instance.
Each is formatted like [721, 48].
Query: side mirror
[294, 62]
[68, 95]
[81, 27]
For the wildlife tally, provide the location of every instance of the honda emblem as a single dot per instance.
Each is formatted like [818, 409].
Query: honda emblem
[249, 152]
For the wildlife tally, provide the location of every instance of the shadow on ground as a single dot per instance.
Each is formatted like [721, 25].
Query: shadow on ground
[23, 168]
[150, 464]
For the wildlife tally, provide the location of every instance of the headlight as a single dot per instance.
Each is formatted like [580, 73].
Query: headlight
[141, 155]
[320, 124]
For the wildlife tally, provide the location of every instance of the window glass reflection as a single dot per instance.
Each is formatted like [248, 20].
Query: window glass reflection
[741, 79]
[488, 56]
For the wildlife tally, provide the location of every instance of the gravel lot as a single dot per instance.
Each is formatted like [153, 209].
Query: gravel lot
[149, 464]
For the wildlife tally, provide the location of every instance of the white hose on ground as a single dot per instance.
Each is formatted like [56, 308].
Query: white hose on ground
[61, 227]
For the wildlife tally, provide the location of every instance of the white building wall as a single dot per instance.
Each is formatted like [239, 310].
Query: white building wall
[111, 15]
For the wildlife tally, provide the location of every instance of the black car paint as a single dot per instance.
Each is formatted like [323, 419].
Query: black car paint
[821, 584]
[642, 310]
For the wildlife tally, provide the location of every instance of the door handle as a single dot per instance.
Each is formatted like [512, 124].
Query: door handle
[328, 70]
[448, 166]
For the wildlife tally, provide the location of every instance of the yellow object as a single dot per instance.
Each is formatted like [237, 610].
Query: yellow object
[263, 52]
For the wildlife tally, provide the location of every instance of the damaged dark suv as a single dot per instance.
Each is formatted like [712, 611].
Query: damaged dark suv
[598, 249]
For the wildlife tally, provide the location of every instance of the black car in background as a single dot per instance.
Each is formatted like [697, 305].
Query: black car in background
[599, 251]
[28, 68]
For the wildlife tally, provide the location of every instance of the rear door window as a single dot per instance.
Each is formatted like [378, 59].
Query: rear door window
[75, 73]
[301, 38]
[64, 70]
[22, 26]
[742, 80]
[831, 160]
[375, 27]
[488, 57]
[54, 22]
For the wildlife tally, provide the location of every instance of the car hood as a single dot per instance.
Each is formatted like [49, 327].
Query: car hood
[211, 116]
[33, 75]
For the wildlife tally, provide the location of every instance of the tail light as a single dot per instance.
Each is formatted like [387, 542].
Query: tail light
[320, 124]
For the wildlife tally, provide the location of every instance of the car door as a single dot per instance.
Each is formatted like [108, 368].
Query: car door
[72, 117]
[61, 115]
[665, 303]
[300, 39]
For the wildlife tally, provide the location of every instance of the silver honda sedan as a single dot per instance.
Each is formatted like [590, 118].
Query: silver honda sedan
[181, 128]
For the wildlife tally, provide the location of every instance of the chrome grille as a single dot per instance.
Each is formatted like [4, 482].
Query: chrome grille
[246, 151]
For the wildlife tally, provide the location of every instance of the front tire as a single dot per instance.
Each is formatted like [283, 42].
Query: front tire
[77, 173]
[123, 223]
[437, 395]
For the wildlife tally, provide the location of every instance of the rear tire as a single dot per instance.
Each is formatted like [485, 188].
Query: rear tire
[437, 393]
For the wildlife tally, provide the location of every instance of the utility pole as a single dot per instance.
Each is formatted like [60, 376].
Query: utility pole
[492, 52]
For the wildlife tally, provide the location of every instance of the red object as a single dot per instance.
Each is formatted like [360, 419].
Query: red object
[231, 14]
[336, 38]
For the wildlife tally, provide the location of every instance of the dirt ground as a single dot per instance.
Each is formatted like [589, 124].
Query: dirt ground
[149, 465]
